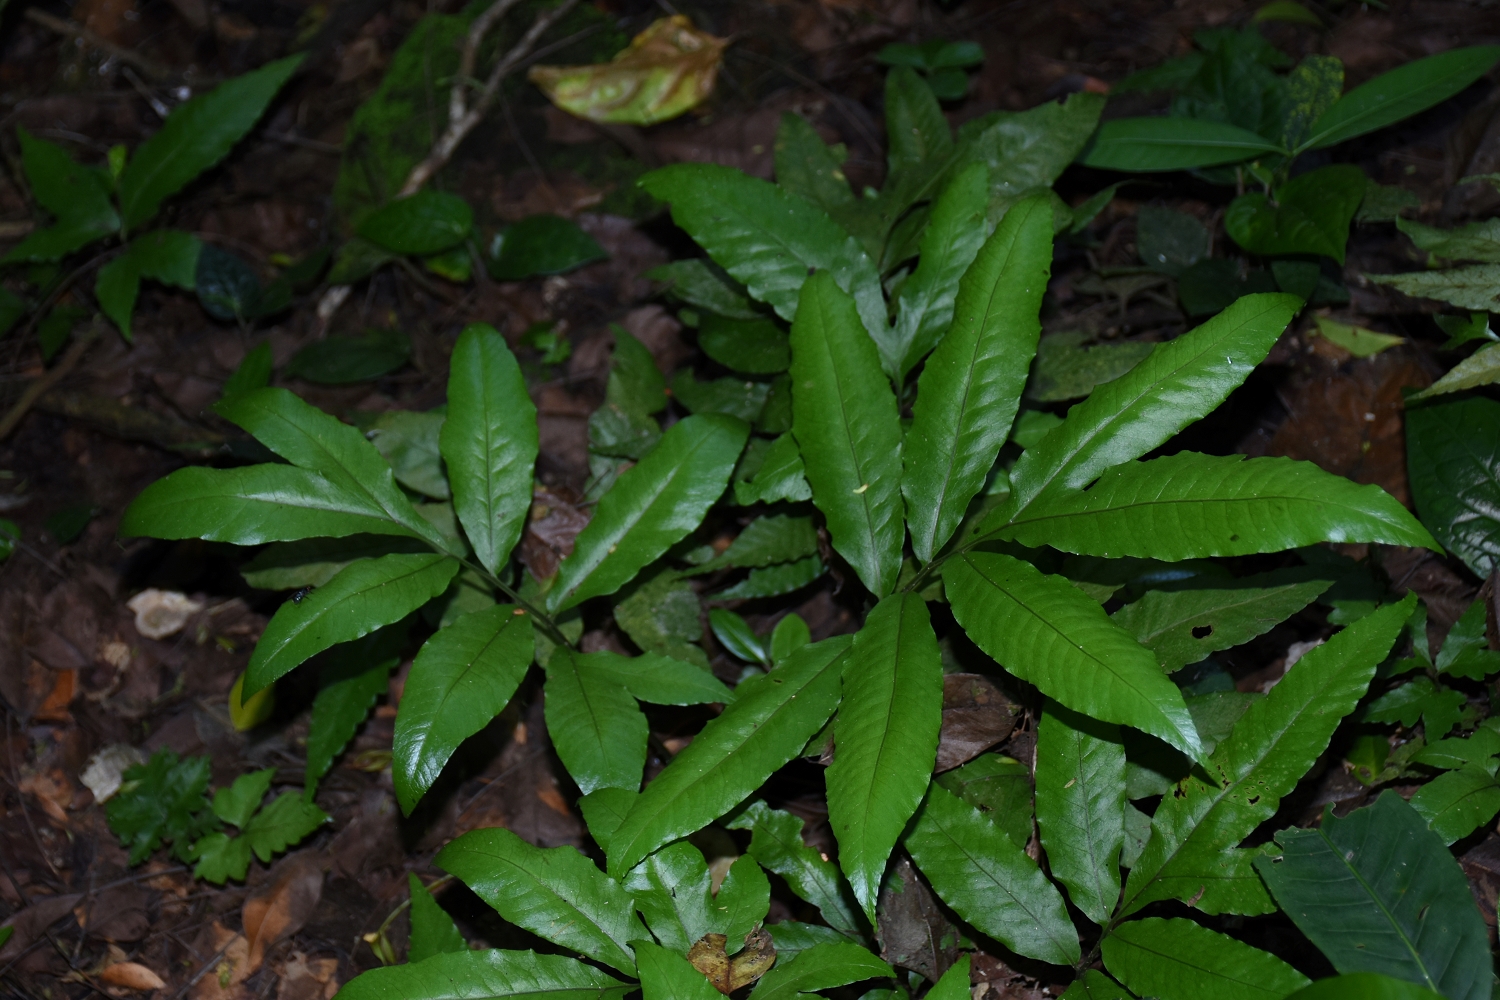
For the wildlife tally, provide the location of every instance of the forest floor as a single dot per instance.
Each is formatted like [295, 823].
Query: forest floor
[75, 673]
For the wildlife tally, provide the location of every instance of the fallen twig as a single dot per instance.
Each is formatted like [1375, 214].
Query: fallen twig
[150, 67]
[47, 380]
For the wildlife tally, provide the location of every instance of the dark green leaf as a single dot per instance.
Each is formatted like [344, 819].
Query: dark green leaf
[821, 967]
[282, 823]
[1312, 88]
[672, 889]
[1377, 891]
[433, 932]
[774, 581]
[734, 397]
[780, 476]
[1080, 807]
[1095, 985]
[705, 285]
[409, 442]
[1027, 150]
[736, 637]
[1147, 144]
[1179, 960]
[597, 728]
[999, 787]
[68, 190]
[1457, 803]
[424, 223]
[661, 680]
[1364, 986]
[1476, 241]
[1310, 214]
[756, 346]
[220, 857]
[342, 360]
[542, 244]
[812, 170]
[237, 803]
[1170, 241]
[743, 900]
[1474, 287]
[1068, 368]
[1466, 651]
[312, 562]
[160, 802]
[668, 976]
[776, 843]
[253, 372]
[775, 538]
[67, 524]
[792, 937]
[1439, 708]
[919, 135]
[227, 287]
[604, 811]
[488, 975]
[1453, 454]
[662, 614]
[353, 675]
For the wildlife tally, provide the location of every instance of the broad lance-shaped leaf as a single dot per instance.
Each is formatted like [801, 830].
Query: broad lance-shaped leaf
[494, 974]
[887, 735]
[820, 967]
[1142, 144]
[1180, 960]
[555, 893]
[970, 389]
[311, 439]
[674, 892]
[1189, 506]
[461, 679]
[197, 135]
[845, 419]
[489, 443]
[989, 881]
[1193, 852]
[353, 676]
[596, 726]
[433, 932]
[658, 679]
[776, 843]
[363, 597]
[770, 721]
[666, 975]
[1080, 806]
[766, 238]
[651, 507]
[1459, 802]
[1049, 633]
[1378, 892]
[1177, 383]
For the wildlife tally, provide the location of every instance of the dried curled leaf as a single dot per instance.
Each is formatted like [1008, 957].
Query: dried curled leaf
[667, 69]
[728, 974]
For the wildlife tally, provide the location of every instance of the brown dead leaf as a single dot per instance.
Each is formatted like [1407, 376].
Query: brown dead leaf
[54, 707]
[132, 976]
[33, 921]
[304, 978]
[727, 974]
[52, 791]
[223, 981]
[553, 525]
[914, 933]
[976, 716]
[283, 906]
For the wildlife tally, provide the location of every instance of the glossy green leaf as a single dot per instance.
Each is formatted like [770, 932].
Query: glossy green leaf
[792, 937]
[280, 824]
[597, 728]
[1439, 708]
[776, 843]
[733, 397]
[1180, 960]
[1182, 626]
[409, 443]
[1466, 650]
[543, 244]
[1027, 151]
[487, 975]
[604, 811]
[433, 932]
[1457, 803]
[701, 283]
[461, 679]
[769, 723]
[1453, 459]
[666, 975]
[363, 597]
[555, 893]
[1151, 144]
[736, 636]
[1080, 806]
[820, 967]
[743, 900]
[1188, 506]
[658, 679]
[166, 255]
[971, 387]
[766, 238]
[810, 169]
[1364, 986]
[489, 442]
[887, 734]
[650, 508]
[196, 135]
[1000, 787]
[1193, 852]
[1049, 633]
[845, 419]
[353, 675]
[780, 477]
[1401, 93]
[673, 890]
[1311, 214]
[756, 346]
[424, 223]
[775, 538]
[989, 881]
[1377, 891]
[775, 581]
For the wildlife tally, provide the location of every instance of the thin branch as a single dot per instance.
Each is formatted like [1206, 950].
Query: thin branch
[47, 380]
[150, 67]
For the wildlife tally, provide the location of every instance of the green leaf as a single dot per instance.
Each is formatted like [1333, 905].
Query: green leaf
[780, 476]
[1188, 506]
[604, 811]
[1474, 287]
[489, 442]
[1466, 651]
[766, 238]
[792, 937]
[46, 246]
[409, 443]
[769, 722]
[915, 127]
[658, 679]
[821, 967]
[253, 371]
[1193, 852]
[887, 734]
[161, 801]
[597, 728]
[1180, 381]
[776, 538]
[735, 397]
[1152, 144]
[363, 597]
[673, 890]
[1182, 626]
[1169, 241]
[662, 614]
[810, 169]
[1478, 241]
[542, 244]
[1027, 150]
[845, 419]
[227, 286]
[220, 857]
[989, 881]
[237, 803]
[312, 562]
[1480, 368]
[774, 581]
[70, 191]
[1377, 891]
[971, 387]
[668, 976]
[352, 677]
[635, 384]
[1312, 88]
[424, 223]
[461, 679]
[743, 900]
[282, 823]
[790, 634]
[650, 508]
[776, 843]
[1179, 960]
[1095, 985]
[1310, 215]
[1049, 633]
[1068, 367]
[755, 346]
[999, 787]
[1364, 986]
[197, 135]
[555, 893]
[736, 636]
[1080, 807]
[165, 255]
[345, 360]
[433, 932]
[1457, 803]
[1439, 708]
[1453, 458]
[1454, 753]
[488, 975]
[701, 283]
[1400, 93]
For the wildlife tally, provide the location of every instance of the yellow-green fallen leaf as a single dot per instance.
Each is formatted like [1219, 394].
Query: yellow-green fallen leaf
[667, 69]
[1480, 368]
[1357, 340]
[249, 714]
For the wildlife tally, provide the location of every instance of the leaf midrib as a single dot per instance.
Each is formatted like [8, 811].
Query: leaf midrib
[546, 886]
[322, 613]
[1136, 505]
[467, 669]
[1180, 959]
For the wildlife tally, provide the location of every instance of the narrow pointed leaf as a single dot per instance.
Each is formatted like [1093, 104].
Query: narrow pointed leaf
[887, 734]
[970, 389]
[1049, 633]
[658, 679]
[820, 967]
[1080, 807]
[989, 881]
[433, 932]
[555, 893]
[770, 721]
[353, 676]
[461, 679]
[489, 443]
[363, 597]
[666, 975]
[1193, 852]
[845, 419]
[487, 975]
[776, 842]
[651, 507]
[1180, 960]
[1144, 144]
[596, 726]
